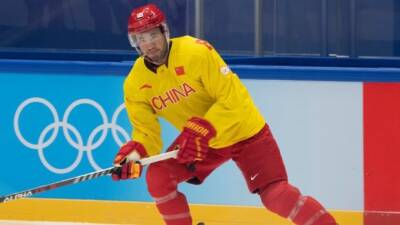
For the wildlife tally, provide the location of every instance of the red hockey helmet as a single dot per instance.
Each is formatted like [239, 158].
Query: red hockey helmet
[145, 18]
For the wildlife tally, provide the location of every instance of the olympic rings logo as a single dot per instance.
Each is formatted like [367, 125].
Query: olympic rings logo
[68, 128]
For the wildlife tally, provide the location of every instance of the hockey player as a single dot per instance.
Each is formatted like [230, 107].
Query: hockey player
[185, 81]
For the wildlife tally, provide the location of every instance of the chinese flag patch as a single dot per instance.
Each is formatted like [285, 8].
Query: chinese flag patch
[179, 70]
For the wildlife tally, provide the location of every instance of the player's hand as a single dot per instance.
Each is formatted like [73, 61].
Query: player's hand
[126, 161]
[193, 141]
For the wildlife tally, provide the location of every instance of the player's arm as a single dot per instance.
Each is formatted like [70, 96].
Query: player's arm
[219, 82]
[146, 126]
[146, 138]
[231, 96]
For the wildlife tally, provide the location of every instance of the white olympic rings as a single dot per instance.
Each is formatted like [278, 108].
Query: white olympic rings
[67, 127]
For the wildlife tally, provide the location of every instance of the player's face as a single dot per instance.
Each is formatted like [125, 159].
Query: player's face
[153, 45]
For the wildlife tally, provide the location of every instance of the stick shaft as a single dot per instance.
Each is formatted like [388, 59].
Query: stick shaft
[160, 157]
[81, 178]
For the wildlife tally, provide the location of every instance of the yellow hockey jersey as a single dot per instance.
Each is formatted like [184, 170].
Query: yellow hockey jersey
[195, 82]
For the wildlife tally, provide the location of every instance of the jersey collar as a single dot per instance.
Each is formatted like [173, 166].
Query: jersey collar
[153, 67]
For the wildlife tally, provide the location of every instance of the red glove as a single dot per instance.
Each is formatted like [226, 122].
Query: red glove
[126, 163]
[193, 140]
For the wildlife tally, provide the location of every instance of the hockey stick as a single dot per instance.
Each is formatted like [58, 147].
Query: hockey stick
[81, 178]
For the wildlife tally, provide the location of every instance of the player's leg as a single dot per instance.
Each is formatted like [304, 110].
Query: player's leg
[287, 201]
[162, 182]
[261, 163]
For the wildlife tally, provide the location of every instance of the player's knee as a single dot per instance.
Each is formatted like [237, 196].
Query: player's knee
[280, 197]
[159, 180]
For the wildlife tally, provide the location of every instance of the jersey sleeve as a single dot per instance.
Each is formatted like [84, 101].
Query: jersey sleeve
[233, 107]
[146, 126]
